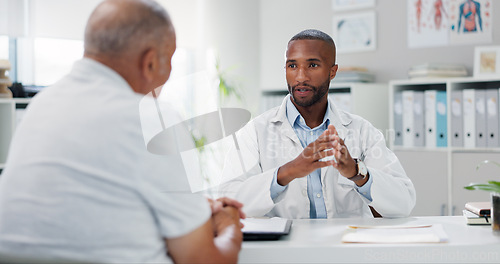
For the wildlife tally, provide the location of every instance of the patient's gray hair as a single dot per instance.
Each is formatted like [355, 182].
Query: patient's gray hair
[118, 26]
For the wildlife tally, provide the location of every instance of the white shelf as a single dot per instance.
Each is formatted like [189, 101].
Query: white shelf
[8, 122]
[449, 168]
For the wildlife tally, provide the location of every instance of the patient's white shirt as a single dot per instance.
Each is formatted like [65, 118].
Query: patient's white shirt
[79, 183]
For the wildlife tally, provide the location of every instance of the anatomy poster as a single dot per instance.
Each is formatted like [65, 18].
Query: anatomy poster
[471, 21]
[444, 22]
[428, 23]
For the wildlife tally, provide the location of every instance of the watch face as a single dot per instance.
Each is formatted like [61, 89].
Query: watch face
[362, 168]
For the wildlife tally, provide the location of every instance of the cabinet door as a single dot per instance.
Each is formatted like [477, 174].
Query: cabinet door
[428, 172]
[464, 172]
[6, 128]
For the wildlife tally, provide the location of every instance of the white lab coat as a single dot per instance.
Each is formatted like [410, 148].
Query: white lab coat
[269, 141]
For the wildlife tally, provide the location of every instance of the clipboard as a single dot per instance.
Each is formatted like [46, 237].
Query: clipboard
[256, 229]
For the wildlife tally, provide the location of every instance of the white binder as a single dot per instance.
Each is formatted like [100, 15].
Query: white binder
[407, 118]
[492, 118]
[480, 106]
[469, 118]
[418, 119]
[457, 129]
[430, 118]
[398, 119]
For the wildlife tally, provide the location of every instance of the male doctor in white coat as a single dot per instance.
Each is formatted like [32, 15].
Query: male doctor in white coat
[309, 159]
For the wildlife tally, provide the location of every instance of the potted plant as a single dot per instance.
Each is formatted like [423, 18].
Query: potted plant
[494, 188]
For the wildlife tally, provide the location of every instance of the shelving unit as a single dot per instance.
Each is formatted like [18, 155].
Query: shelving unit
[439, 174]
[10, 114]
[369, 100]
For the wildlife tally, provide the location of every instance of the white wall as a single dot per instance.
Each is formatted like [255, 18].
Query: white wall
[60, 19]
[230, 28]
[281, 19]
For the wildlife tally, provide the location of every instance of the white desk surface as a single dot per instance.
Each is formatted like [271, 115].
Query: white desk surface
[318, 241]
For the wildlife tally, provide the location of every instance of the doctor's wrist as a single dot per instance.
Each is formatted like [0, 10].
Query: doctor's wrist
[285, 175]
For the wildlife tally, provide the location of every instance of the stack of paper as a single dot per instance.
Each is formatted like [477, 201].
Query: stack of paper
[437, 70]
[354, 74]
[395, 234]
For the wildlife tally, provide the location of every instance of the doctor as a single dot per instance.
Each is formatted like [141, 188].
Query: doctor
[310, 159]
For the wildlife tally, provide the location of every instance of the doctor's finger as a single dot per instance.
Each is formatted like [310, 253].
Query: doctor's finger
[332, 130]
[322, 164]
[323, 154]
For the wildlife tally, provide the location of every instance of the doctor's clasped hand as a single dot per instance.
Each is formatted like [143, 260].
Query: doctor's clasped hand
[315, 156]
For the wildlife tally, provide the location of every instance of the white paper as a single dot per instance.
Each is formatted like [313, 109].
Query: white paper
[396, 234]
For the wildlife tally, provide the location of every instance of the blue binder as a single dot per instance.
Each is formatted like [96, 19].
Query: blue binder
[441, 120]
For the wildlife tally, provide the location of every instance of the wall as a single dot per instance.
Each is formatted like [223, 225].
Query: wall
[281, 19]
[229, 28]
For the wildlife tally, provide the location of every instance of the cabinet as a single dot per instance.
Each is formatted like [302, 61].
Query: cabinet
[440, 173]
[11, 111]
[369, 100]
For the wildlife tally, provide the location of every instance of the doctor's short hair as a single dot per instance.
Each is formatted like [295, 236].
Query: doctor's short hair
[313, 34]
[116, 26]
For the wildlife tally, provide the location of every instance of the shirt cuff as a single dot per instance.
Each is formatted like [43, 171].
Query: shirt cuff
[365, 190]
[276, 189]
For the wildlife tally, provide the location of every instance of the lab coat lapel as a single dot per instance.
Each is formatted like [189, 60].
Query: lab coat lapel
[286, 128]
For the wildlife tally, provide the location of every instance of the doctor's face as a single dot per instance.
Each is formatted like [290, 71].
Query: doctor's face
[310, 66]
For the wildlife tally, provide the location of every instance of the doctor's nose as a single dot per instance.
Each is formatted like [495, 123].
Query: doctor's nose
[301, 75]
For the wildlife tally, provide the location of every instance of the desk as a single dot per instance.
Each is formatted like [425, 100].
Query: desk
[318, 241]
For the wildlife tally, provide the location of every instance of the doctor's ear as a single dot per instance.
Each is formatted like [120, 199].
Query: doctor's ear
[333, 71]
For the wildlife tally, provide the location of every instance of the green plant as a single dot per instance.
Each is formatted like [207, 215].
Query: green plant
[225, 89]
[491, 186]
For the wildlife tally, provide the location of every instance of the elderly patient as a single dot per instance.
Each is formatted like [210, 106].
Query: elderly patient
[79, 183]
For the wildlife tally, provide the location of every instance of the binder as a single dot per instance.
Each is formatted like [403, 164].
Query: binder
[430, 118]
[469, 118]
[441, 120]
[492, 118]
[457, 139]
[418, 119]
[407, 118]
[480, 107]
[398, 119]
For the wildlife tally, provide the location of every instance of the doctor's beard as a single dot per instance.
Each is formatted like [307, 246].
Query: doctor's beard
[319, 92]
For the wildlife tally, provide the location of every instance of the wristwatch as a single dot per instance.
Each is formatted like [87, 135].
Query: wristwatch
[362, 171]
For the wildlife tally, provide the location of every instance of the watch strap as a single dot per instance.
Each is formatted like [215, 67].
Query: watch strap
[358, 176]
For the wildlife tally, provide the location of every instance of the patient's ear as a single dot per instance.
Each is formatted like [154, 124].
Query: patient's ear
[149, 64]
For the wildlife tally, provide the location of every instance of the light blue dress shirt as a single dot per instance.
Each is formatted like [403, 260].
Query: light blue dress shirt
[306, 136]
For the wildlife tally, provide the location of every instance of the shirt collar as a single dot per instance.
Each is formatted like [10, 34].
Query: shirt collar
[293, 114]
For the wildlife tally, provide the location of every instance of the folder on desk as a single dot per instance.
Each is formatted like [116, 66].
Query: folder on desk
[492, 118]
[441, 120]
[480, 106]
[265, 228]
[469, 118]
[398, 119]
[418, 119]
[430, 118]
[407, 118]
[457, 129]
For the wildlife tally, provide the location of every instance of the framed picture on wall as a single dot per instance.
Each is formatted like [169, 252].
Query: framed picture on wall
[340, 5]
[487, 61]
[355, 32]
